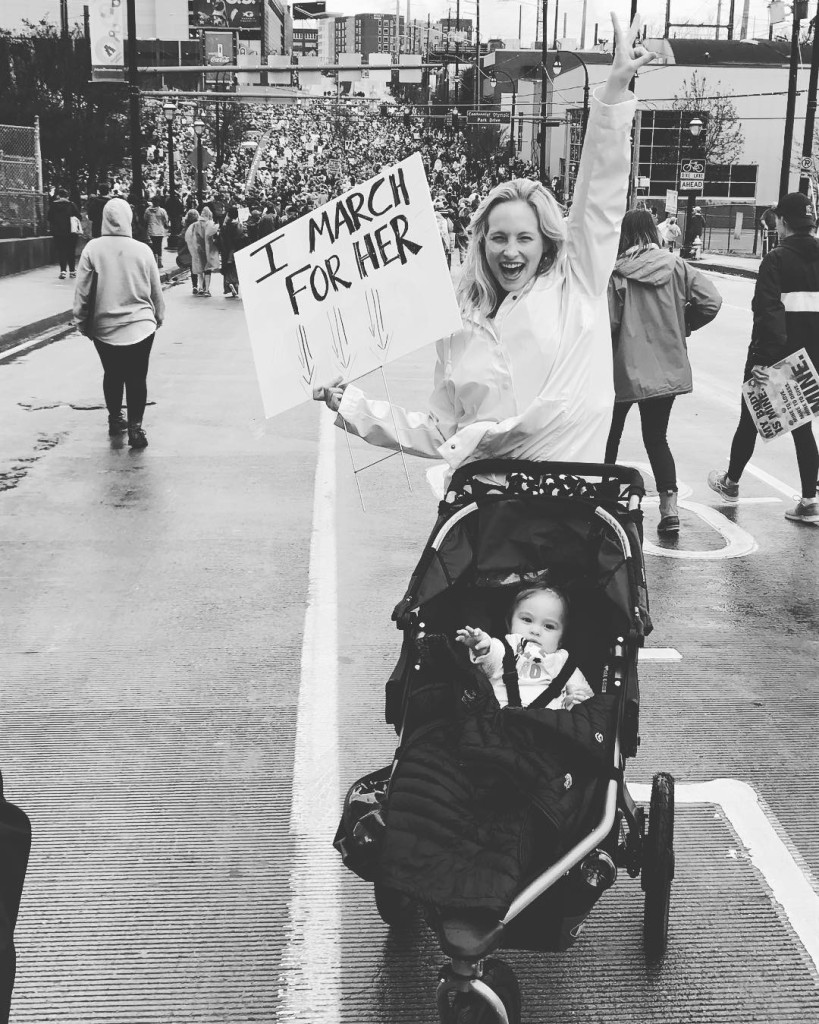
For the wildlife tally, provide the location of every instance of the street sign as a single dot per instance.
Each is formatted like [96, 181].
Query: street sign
[806, 163]
[488, 117]
[692, 175]
[671, 200]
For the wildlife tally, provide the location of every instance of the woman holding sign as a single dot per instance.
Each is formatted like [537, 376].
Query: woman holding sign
[529, 375]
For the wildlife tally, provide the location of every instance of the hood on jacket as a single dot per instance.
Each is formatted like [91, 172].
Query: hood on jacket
[806, 245]
[653, 267]
[116, 218]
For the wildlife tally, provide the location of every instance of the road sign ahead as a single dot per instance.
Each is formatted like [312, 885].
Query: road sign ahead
[692, 175]
[488, 117]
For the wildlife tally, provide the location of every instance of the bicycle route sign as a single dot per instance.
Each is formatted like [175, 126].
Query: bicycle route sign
[692, 175]
[488, 117]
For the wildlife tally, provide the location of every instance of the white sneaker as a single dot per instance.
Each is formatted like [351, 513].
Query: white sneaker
[806, 511]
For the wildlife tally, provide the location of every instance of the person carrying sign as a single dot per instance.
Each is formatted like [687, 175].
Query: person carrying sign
[529, 375]
[786, 319]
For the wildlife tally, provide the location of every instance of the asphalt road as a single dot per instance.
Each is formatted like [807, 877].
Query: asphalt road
[196, 641]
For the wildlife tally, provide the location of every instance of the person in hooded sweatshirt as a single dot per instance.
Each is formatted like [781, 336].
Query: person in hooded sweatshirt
[128, 307]
[786, 318]
[655, 300]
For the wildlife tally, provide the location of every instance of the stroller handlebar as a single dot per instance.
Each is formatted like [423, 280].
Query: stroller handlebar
[626, 475]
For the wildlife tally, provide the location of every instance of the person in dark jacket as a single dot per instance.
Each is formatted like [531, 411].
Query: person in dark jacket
[695, 229]
[786, 319]
[60, 216]
[655, 300]
[231, 238]
[252, 223]
[95, 206]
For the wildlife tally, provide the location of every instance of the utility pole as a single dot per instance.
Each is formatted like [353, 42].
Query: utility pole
[133, 96]
[478, 54]
[746, 11]
[787, 145]
[731, 12]
[544, 53]
[557, 15]
[810, 113]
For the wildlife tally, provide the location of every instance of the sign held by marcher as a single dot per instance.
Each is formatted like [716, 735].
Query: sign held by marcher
[789, 398]
[349, 287]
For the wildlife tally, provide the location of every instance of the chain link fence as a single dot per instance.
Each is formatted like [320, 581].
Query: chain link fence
[23, 205]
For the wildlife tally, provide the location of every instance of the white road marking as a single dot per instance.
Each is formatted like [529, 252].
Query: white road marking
[658, 654]
[310, 972]
[772, 481]
[759, 832]
[738, 542]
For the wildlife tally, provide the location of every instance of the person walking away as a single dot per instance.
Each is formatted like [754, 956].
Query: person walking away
[670, 232]
[156, 226]
[767, 225]
[695, 234]
[128, 308]
[95, 206]
[655, 299]
[529, 374]
[183, 254]
[232, 237]
[202, 241]
[786, 318]
[65, 224]
[252, 224]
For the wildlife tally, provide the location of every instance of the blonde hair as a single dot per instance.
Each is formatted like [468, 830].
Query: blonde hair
[478, 289]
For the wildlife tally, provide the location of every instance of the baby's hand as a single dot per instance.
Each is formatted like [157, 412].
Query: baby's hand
[576, 692]
[475, 639]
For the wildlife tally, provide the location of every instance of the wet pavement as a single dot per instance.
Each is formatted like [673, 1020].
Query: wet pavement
[181, 734]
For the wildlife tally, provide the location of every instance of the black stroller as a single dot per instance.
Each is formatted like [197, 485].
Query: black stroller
[500, 526]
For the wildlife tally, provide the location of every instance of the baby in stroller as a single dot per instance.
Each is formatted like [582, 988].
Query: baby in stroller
[536, 623]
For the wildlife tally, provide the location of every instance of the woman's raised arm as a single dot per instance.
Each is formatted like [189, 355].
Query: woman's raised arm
[599, 198]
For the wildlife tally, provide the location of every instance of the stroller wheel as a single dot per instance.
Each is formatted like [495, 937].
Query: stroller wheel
[473, 1008]
[658, 866]
[393, 906]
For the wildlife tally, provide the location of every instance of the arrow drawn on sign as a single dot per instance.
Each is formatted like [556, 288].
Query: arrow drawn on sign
[306, 361]
[339, 342]
[380, 335]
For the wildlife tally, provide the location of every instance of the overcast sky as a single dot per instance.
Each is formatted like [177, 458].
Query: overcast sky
[498, 17]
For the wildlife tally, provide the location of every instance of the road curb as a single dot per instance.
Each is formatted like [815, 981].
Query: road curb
[51, 325]
[724, 268]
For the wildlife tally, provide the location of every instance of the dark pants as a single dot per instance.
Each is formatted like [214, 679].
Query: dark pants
[807, 454]
[66, 246]
[156, 246]
[125, 367]
[654, 416]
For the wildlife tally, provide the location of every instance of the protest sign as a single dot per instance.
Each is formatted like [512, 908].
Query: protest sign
[788, 399]
[349, 287]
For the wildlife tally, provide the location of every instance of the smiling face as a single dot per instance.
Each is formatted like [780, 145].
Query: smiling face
[540, 617]
[513, 245]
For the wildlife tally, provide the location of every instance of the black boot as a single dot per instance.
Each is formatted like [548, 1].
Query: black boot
[136, 436]
[117, 424]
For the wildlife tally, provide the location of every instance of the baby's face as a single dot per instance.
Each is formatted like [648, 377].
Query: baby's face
[539, 617]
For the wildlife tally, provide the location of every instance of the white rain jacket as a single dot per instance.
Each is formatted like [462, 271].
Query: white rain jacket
[535, 382]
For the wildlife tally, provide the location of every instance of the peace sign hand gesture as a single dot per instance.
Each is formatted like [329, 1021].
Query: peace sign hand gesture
[629, 57]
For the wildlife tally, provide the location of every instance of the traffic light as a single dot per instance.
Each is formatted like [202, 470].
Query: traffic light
[406, 119]
[454, 120]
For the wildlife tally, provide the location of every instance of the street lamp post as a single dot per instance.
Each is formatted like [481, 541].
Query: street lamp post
[557, 67]
[199, 127]
[695, 128]
[174, 205]
[497, 71]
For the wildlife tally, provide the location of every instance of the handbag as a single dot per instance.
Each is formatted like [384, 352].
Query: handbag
[85, 325]
[76, 225]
